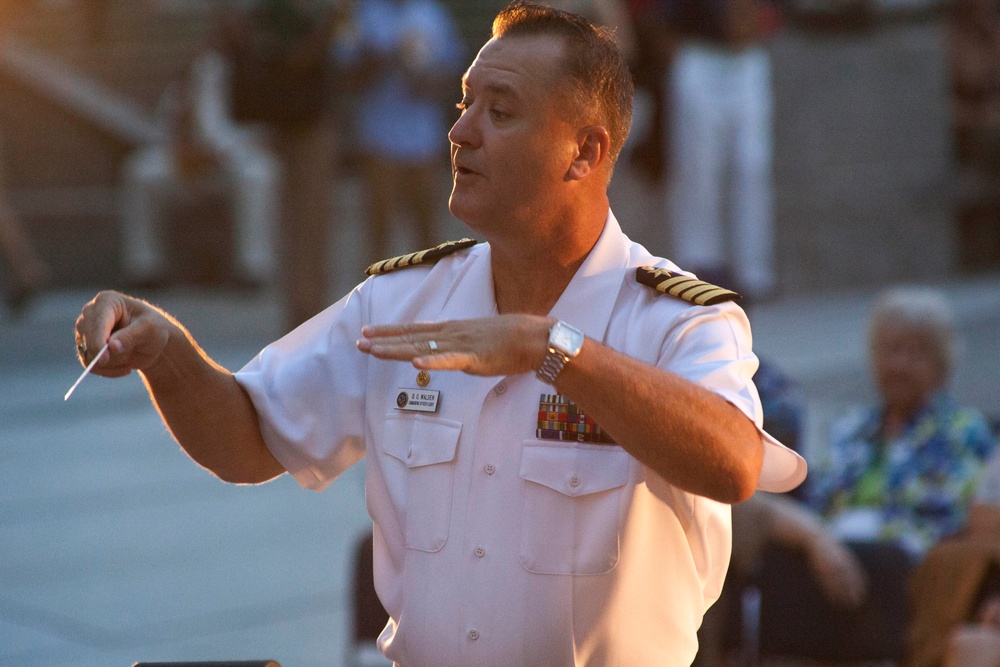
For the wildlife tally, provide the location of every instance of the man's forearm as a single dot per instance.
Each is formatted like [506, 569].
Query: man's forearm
[209, 413]
[691, 437]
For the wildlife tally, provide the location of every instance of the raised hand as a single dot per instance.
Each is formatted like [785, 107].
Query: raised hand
[502, 345]
[136, 333]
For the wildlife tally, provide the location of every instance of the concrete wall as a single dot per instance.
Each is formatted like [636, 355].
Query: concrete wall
[864, 167]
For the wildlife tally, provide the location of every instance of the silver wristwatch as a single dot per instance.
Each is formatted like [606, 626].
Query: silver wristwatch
[565, 342]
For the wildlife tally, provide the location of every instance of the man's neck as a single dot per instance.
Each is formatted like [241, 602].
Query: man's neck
[530, 288]
[530, 276]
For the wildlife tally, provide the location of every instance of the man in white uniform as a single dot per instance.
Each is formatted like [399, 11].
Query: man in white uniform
[552, 443]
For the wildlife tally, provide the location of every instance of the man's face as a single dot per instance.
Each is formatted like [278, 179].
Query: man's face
[512, 147]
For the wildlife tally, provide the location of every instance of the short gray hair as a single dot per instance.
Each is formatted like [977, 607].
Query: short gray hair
[592, 61]
[925, 308]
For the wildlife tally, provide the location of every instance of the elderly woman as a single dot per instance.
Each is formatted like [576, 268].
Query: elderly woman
[901, 475]
[905, 469]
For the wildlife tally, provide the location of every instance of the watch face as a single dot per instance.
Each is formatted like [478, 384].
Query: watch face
[566, 339]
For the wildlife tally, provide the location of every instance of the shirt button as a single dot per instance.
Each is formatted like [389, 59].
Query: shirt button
[480, 552]
[500, 389]
[490, 468]
[473, 635]
[574, 481]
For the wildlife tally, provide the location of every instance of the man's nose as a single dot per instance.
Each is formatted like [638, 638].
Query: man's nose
[462, 133]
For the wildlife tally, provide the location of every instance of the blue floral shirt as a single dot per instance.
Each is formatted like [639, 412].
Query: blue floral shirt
[914, 489]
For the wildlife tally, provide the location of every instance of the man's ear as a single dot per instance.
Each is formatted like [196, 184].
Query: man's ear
[593, 143]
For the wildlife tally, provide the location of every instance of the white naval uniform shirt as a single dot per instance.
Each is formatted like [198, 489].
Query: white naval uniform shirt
[493, 547]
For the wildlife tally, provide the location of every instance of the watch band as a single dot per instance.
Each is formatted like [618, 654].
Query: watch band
[552, 366]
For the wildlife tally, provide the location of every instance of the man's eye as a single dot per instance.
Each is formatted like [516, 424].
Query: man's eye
[497, 114]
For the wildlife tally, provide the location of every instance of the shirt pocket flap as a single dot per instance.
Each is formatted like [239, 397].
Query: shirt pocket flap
[420, 441]
[575, 470]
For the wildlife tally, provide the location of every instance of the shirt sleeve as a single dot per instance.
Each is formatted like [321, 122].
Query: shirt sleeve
[309, 392]
[711, 346]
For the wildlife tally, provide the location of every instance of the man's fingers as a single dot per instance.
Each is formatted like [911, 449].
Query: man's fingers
[99, 318]
[418, 352]
[398, 349]
[135, 332]
[386, 330]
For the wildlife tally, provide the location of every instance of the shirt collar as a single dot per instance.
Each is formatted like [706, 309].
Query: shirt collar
[586, 303]
[588, 300]
[472, 289]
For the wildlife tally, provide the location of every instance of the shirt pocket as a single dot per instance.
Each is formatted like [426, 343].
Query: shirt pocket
[420, 471]
[573, 506]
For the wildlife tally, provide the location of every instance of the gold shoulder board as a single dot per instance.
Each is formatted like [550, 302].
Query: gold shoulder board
[423, 256]
[684, 287]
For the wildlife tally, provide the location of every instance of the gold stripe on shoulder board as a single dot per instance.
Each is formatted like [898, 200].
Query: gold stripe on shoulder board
[684, 287]
[420, 257]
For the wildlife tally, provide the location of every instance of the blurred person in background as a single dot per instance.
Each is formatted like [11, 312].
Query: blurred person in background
[900, 476]
[203, 151]
[284, 78]
[834, 573]
[905, 468]
[720, 193]
[404, 57]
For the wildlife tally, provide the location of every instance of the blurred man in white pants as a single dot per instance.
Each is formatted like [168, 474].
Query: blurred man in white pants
[202, 149]
[721, 197]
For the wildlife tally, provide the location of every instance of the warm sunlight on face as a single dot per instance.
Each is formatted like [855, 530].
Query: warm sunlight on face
[511, 147]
